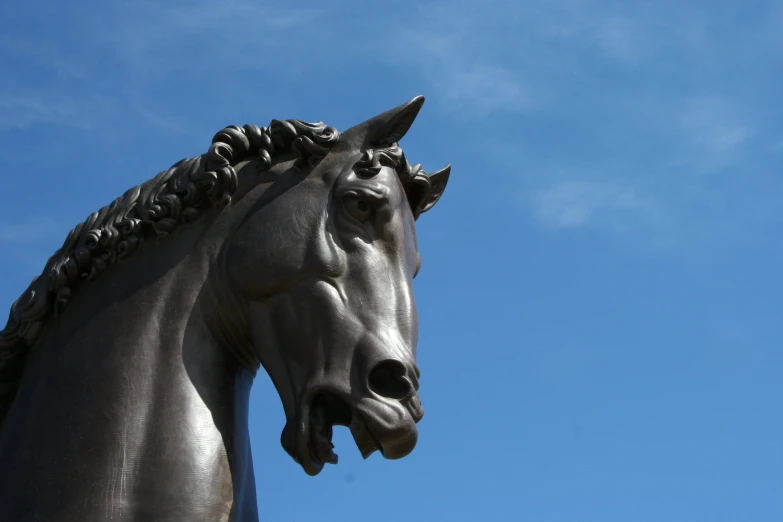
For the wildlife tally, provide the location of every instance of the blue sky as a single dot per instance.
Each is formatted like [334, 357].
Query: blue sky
[601, 290]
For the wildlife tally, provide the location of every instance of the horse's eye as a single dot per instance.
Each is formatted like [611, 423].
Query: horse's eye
[358, 208]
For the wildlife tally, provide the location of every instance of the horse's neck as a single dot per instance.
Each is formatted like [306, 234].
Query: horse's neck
[138, 411]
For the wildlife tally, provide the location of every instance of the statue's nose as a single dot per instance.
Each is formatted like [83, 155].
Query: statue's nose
[393, 379]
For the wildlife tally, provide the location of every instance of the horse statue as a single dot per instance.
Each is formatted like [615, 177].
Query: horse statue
[126, 366]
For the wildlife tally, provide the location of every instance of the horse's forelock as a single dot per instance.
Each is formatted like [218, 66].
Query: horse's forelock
[414, 180]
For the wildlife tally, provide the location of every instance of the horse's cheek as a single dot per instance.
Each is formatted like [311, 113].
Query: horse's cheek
[257, 267]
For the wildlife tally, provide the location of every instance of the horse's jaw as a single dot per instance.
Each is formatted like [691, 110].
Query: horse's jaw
[321, 358]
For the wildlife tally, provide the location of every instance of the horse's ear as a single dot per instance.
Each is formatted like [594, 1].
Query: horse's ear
[386, 128]
[438, 182]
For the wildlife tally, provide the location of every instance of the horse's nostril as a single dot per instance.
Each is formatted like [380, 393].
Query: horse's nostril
[389, 380]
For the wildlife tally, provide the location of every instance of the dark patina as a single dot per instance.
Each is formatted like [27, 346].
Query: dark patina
[126, 366]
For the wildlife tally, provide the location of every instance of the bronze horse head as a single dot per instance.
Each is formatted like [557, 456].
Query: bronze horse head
[125, 368]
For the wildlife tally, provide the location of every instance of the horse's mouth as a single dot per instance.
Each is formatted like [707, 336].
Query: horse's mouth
[327, 410]
[314, 448]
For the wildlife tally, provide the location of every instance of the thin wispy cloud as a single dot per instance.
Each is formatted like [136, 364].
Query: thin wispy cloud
[661, 122]
[38, 51]
[715, 131]
[160, 37]
[574, 204]
[20, 111]
[664, 146]
[691, 183]
[147, 42]
[478, 59]
[499, 57]
[164, 122]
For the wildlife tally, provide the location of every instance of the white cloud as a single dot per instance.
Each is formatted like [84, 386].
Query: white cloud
[149, 40]
[575, 204]
[715, 132]
[35, 51]
[163, 122]
[159, 37]
[19, 111]
[698, 187]
[644, 85]
[479, 58]
[472, 88]
[524, 56]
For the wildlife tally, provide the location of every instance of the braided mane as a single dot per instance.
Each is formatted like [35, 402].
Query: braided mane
[174, 197]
